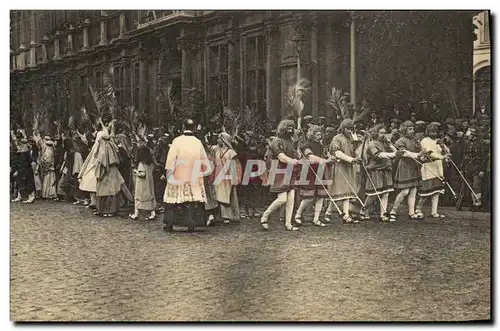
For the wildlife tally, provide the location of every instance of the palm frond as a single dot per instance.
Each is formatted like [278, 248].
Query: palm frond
[98, 102]
[166, 94]
[130, 119]
[249, 119]
[41, 120]
[337, 102]
[294, 97]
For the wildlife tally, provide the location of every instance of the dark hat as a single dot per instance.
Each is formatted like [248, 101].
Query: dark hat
[450, 121]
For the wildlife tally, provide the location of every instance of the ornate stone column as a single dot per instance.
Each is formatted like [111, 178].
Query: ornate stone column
[86, 25]
[122, 24]
[104, 31]
[70, 50]
[57, 49]
[273, 85]
[233, 79]
[32, 61]
[45, 40]
[21, 59]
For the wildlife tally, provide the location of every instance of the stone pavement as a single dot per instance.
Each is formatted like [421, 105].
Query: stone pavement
[67, 264]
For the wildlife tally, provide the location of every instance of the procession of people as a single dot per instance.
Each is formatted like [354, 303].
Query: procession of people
[357, 169]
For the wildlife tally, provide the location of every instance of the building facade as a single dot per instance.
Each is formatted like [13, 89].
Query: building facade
[240, 58]
[481, 74]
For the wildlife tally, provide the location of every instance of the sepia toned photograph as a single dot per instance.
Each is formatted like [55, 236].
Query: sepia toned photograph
[250, 165]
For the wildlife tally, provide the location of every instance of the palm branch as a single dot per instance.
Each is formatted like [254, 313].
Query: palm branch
[249, 119]
[41, 120]
[337, 102]
[99, 103]
[130, 118]
[294, 96]
[167, 95]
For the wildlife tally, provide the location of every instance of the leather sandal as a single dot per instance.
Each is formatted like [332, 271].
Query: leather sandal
[291, 228]
[263, 224]
[347, 219]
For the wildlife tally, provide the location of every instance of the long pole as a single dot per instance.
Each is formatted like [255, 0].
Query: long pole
[465, 180]
[353, 61]
[432, 172]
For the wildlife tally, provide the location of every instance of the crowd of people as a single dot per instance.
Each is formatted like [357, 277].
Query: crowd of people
[353, 169]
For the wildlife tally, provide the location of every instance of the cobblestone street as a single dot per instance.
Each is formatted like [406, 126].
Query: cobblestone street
[67, 264]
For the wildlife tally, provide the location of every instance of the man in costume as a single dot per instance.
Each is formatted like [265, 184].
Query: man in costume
[344, 179]
[407, 176]
[432, 172]
[312, 150]
[283, 155]
[379, 171]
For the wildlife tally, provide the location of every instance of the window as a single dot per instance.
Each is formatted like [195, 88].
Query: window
[77, 40]
[95, 34]
[119, 84]
[131, 17]
[127, 93]
[113, 29]
[486, 28]
[218, 63]
[98, 80]
[255, 63]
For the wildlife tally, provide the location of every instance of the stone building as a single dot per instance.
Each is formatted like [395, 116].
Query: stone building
[482, 62]
[241, 57]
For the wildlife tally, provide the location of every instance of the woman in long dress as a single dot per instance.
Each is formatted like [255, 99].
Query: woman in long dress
[47, 166]
[109, 181]
[87, 176]
[144, 188]
[225, 189]
[71, 167]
